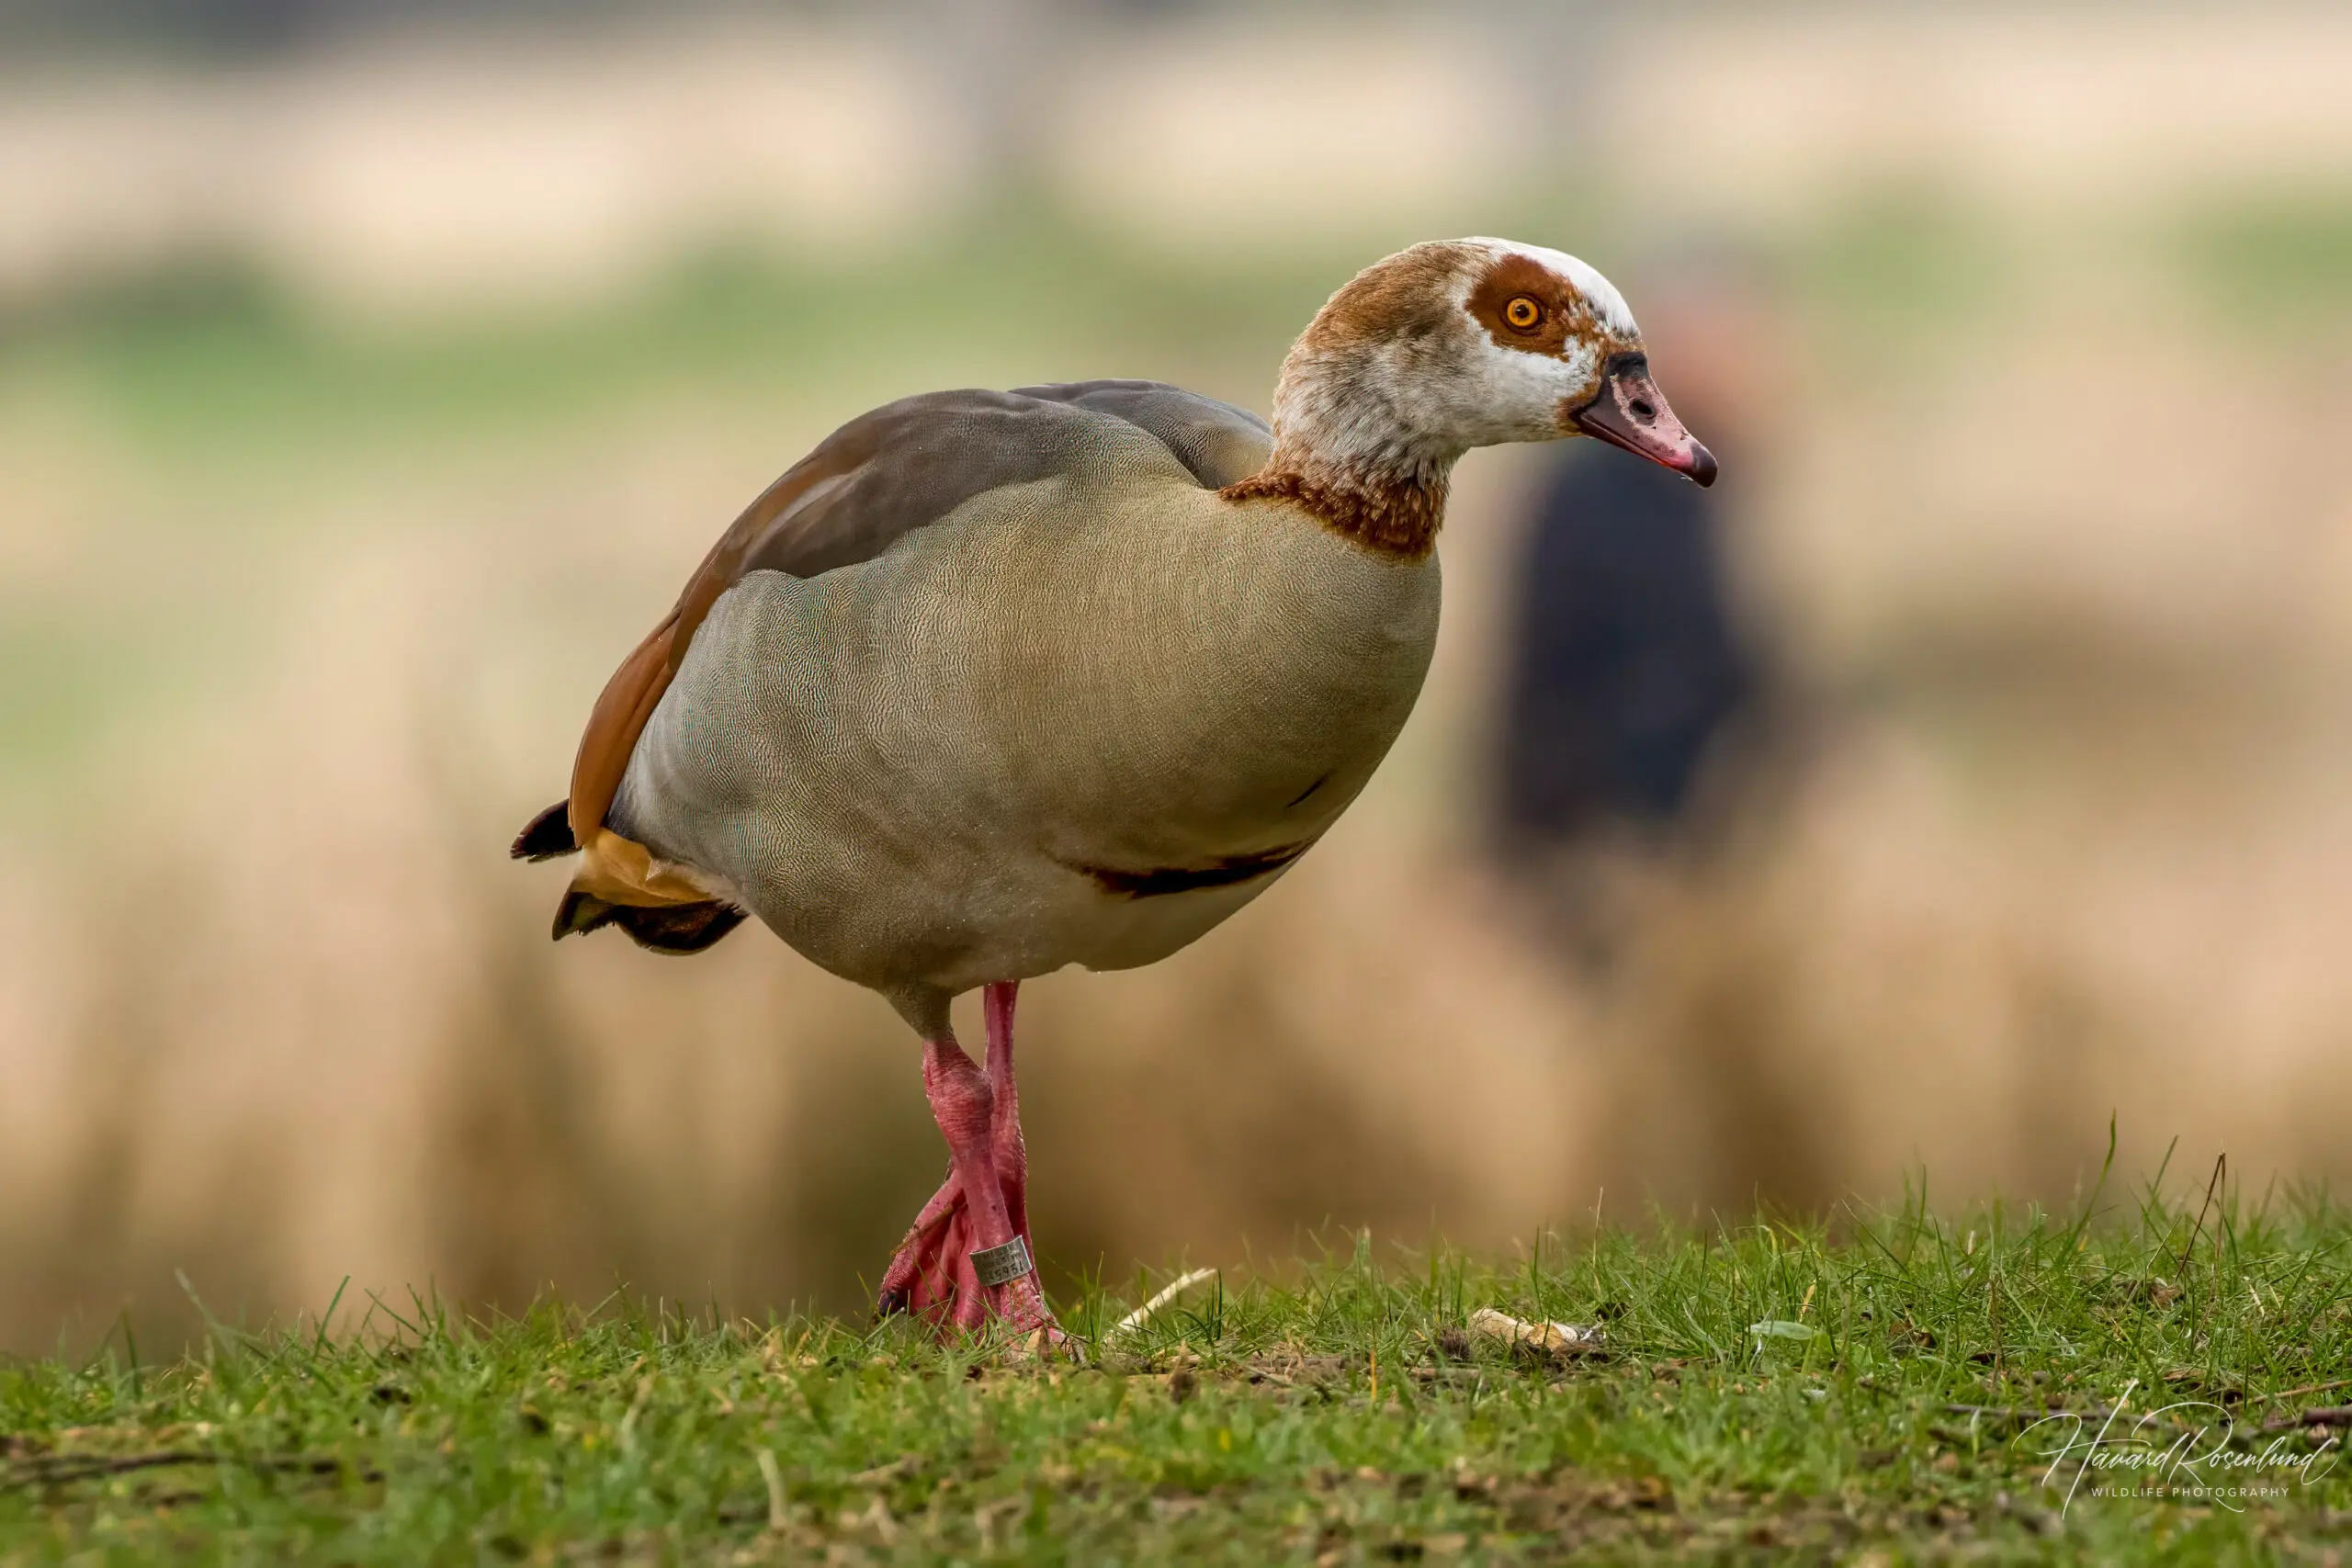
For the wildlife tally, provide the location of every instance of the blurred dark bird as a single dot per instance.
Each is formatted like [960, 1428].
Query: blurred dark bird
[994, 682]
[1625, 665]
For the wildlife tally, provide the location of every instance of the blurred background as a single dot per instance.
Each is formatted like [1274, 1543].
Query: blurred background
[1967, 768]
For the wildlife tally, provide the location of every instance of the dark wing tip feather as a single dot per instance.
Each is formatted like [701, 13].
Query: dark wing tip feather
[546, 835]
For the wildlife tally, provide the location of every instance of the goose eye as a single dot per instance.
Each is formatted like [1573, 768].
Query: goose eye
[1522, 314]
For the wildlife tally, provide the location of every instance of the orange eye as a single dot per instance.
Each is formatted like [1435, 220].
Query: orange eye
[1523, 313]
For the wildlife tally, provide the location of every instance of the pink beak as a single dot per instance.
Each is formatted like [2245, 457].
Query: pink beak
[1630, 411]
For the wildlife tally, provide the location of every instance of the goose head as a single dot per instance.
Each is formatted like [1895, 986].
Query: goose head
[1459, 344]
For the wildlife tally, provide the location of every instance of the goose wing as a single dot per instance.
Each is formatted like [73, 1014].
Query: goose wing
[870, 483]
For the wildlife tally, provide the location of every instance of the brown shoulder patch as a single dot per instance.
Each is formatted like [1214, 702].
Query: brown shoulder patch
[1560, 310]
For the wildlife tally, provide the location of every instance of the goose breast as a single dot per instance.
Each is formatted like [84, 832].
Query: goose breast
[1080, 717]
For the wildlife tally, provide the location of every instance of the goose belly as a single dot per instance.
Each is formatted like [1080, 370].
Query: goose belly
[1000, 750]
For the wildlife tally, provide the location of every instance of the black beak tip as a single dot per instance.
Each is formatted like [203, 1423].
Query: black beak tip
[1703, 465]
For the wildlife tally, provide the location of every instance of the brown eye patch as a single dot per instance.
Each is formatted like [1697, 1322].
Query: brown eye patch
[1524, 304]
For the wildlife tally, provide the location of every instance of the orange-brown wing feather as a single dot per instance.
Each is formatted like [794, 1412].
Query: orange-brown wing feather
[614, 725]
[871, 482]
[634, 690]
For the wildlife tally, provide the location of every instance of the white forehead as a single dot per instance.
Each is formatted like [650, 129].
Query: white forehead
[1610, 304]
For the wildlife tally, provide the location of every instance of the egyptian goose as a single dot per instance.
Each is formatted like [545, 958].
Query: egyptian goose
[994, 682]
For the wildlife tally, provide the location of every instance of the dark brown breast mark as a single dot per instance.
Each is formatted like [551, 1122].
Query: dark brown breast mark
[1310, 789]
[1222, 872]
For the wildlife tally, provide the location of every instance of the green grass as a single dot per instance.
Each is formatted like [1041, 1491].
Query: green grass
[211, 372]
[2281, 264]
[1336, 1415]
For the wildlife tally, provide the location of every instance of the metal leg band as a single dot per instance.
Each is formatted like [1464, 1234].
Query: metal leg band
[1001, 1265]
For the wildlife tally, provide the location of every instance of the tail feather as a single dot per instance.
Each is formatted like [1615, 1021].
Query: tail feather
[677, 929]
[581, 913]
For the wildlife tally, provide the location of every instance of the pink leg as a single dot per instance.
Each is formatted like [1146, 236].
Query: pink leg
[921, 1272]
[983, 1203]
[1011, 1152]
